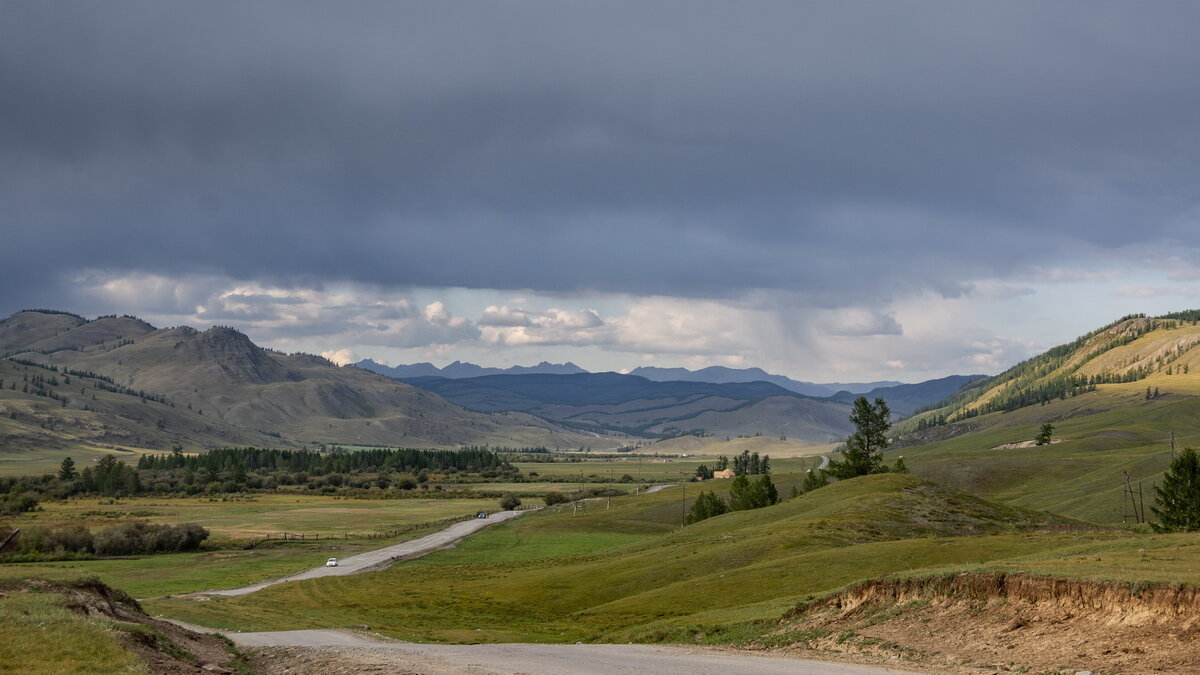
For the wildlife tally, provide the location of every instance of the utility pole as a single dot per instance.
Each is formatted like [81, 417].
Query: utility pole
[1130, 504]
[638, 490]
[683, 501]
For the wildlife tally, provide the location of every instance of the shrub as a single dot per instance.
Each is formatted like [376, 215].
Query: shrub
[509, 501]
[553, 498]
[142, 537]
[13, 504]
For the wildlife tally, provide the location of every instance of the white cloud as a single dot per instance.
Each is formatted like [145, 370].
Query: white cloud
[917, 337]
[503, 316]
[340, 356]
[522, 327]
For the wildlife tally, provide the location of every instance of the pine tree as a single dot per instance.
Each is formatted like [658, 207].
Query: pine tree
[707, 505]
[741, 495]
[869, 440]
[67, 470]
[769, 492]
[1177, 503]
[814, 479]
[1043, 437]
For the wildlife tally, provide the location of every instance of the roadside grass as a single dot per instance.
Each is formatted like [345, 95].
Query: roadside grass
[514, 544]
[42, 636]
[555, 576]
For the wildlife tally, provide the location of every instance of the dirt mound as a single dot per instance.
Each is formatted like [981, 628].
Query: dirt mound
[165, 647]
[1009, 623]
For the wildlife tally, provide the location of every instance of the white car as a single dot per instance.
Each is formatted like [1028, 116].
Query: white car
[332, 562]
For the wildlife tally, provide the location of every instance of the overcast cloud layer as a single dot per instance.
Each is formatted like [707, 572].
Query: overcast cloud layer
[827, 177]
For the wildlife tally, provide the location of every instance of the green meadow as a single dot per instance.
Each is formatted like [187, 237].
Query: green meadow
[1083, 475]
[629, 572]
[237, 555]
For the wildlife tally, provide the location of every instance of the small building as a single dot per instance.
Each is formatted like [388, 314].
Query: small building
[725, 473]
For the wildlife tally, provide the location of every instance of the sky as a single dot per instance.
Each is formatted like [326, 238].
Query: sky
[833, 191]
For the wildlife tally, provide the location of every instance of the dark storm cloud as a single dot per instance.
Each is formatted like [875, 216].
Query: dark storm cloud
[846, 150]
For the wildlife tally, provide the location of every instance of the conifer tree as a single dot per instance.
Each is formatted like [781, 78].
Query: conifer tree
[66, 470]
[864, 446]
[1177, 503]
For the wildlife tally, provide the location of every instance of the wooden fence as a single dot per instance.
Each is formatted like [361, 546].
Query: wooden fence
[387, 534]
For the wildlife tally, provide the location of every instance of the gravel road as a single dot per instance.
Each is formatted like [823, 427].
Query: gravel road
[333, 652]
[382, 557]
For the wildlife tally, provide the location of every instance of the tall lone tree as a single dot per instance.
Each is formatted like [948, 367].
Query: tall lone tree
[865, 446]
[66, 471]
[1177, 503]
[1043, 437]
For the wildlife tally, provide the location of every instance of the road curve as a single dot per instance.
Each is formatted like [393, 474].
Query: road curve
[824, 462]
[382, 557]
[565, 659]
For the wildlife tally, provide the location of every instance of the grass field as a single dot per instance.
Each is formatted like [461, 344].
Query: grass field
[711, 446]
[255, 516]
[650, 469]
[1081, 477]
[48, 460]
[630, 573]
[239, 520]
[169, 573]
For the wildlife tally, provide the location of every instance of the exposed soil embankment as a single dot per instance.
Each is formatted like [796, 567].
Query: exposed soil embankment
[163, 646]
[1008, 622]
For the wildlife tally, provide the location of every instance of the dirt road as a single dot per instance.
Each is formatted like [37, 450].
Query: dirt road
[333, 652]
[382, 557]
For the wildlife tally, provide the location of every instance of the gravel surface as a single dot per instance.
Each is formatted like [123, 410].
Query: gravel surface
[332, 652]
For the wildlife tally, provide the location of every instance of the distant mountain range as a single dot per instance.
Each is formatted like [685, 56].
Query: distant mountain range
[713, 374]
[723, 374]
[635, 405]
[459, 369]
[120, 382]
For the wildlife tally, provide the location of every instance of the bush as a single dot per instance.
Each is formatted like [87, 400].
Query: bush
[553, 498]
[132, 538]
[11, 505]
[45, 540]
[510, 501]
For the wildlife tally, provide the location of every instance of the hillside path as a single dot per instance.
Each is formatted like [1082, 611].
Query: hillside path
[334, 651]
[382, 557]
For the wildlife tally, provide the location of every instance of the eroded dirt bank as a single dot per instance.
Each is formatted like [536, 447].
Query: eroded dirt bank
[1016, 622]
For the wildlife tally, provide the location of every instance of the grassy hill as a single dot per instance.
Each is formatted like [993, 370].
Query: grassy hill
[1114, 396]
[215, 387]
[629, 571]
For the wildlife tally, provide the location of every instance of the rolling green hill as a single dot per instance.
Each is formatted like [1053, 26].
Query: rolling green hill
[630, 572]
[1114, 396]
